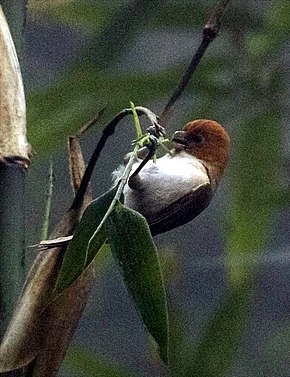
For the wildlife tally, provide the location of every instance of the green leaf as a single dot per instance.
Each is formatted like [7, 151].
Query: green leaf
[76, 258]
[213, 356]
[134, 250]
[83, 363]
[278, 21]
[255, 189]
[89, 16]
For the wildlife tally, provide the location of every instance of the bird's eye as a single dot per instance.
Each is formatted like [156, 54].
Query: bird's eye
[197, 139]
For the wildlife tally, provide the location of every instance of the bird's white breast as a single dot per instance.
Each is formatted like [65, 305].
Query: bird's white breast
[163, 182]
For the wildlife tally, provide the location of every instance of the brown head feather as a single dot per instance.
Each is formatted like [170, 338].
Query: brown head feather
[208, 141]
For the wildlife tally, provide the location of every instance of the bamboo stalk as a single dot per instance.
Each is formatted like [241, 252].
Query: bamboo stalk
[14, 161]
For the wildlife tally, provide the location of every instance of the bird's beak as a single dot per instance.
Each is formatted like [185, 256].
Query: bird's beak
[179, 140]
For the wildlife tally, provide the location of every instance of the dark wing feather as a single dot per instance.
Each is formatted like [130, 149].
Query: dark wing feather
[181, 211]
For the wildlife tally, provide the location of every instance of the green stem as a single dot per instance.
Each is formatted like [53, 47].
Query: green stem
[124, 178]
[107, 132]
[136, 121]
[119, 191]
[45, 226]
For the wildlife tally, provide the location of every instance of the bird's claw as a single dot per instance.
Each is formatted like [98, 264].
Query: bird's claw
[156, 130]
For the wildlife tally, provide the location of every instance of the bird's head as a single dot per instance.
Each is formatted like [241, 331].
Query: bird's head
[207, 141]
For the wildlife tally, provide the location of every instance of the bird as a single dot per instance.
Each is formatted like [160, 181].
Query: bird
[174, 189]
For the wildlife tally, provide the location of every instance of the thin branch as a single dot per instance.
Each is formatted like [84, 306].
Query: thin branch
[151, 152]
[108, 131]
[120, 188]
[123, 180]
[90, 123]
[210, 32]
[151, 144]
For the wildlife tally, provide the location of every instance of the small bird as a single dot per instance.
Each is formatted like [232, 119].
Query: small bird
[179, 186]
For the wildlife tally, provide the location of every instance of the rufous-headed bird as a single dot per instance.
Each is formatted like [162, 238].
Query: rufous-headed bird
[179, 186]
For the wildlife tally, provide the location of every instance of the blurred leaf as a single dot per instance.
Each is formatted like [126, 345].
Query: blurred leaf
[278, 22]
[254, 195]
[75, 254]
[88, 84]
[194, 15]
[213, 355]
[254, 188]
[259, 44]
[91, 16]
[120, 24]
[82, 92]
[134, 250]
[83, 363]
[264, 43]
[180, 353]
[119, 31]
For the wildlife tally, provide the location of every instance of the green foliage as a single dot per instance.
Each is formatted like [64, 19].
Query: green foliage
[132, 245]
[92, 17]
[90, 82]
[256, 190]
[134, 250]
[278, 22]
[213, 355]
[78, 256]
[83, 363]
[254, 196]
[255, 187]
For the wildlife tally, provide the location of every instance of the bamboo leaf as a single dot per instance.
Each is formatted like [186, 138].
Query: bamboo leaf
[75, 259]
[136, 254]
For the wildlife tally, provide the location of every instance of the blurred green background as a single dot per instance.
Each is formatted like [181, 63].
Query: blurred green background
[227, 273]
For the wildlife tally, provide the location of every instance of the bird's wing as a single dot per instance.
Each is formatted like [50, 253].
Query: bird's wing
[182, 210]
